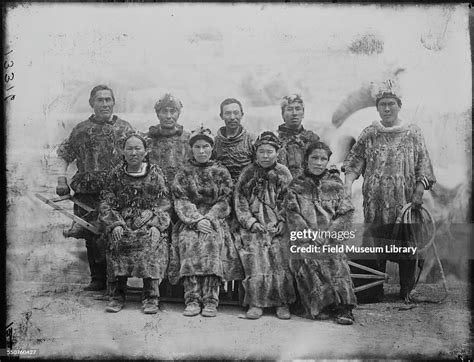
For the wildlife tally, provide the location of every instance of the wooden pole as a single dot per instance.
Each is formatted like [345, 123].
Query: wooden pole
[63, 211]
[366, 268]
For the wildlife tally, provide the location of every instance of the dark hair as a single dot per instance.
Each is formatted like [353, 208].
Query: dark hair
[193, 140]
[227, 101]
[99, 88]
[144, 141]
[201, 133]
[318, 145]
[388, 95]
[267, 138]
[292, 98]
[128, 136]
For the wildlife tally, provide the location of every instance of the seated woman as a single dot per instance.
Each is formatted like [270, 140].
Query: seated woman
[316, 201]
[201, 191]
[258, 201]
[135, 211]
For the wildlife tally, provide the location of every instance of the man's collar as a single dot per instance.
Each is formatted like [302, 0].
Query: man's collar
[284, 128]
[111, 120]
[157, 131]
[402, 126]
[224, 132]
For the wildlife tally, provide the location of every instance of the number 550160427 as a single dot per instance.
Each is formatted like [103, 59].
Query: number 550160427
[9, 76]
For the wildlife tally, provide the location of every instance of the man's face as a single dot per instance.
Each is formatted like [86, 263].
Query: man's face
[168, 117]
[103, 104]
[388, 109]
[231, 115]
[293, 115]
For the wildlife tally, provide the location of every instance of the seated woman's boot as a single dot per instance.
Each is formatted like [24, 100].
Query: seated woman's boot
[150, 306]
[283, 312]
[192, 309]
[210, 310]
[254, 313]
[344, 315]
[114, 306]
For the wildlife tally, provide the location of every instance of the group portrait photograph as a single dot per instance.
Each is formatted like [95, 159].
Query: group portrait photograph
[270, 181]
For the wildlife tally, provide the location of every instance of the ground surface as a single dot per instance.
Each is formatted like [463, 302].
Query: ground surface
[60, 320]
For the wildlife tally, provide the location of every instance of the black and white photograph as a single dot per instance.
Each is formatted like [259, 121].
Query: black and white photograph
[271, 181]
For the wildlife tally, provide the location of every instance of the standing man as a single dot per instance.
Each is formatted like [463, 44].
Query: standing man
[233, 149]
[169, 142]
[392, 157]
[170, 150]
[293, 136]
[93, 144]
[234, 145]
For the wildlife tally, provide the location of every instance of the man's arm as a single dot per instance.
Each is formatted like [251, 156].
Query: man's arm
[62, 187]
[417, 199]
[349, 179]
[355, 162]
[62, 167]
[65, 155]
[423, 169]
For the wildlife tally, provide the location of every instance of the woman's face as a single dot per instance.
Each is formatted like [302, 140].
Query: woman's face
[266, 155]
[317, 161]
[134, 151]
[202, 151]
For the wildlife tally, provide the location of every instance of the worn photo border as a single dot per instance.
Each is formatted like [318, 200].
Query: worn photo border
[3, 180]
